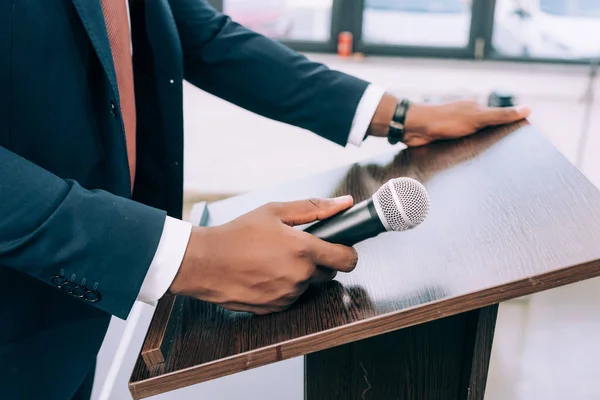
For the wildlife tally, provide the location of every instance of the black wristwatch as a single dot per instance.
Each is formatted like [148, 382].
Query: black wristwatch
[396, 132]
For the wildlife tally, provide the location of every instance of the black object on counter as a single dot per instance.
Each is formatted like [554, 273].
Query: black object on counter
[500, 99]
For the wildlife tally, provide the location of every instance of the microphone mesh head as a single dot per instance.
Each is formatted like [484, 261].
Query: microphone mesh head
[401, 204]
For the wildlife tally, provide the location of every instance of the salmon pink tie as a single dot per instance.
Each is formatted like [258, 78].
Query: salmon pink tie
[117, 26]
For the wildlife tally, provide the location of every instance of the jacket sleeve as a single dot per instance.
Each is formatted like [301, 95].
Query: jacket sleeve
[262, 75]
[92, 245]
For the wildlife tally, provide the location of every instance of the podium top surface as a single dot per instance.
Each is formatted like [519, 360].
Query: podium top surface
[510, 216]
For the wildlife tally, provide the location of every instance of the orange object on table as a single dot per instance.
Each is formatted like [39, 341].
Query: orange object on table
[345, 40]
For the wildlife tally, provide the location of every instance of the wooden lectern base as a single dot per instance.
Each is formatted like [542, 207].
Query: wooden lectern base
[445, 359]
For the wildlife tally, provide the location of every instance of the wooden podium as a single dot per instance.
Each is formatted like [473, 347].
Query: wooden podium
[510, 216]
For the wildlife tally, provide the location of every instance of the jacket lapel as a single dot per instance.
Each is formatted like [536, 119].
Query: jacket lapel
[92, 17]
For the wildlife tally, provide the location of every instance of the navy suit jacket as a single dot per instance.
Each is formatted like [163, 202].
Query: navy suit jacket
[75, 244]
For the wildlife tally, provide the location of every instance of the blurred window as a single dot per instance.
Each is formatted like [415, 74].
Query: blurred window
[572, 8]
[431, 6]
[427, 23]
[552, 29]
[523, 29]
[306, 20]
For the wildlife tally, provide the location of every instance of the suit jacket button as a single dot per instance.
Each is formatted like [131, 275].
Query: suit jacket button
[78, 291]
[57, 280]
[68, 286]
[92, 296]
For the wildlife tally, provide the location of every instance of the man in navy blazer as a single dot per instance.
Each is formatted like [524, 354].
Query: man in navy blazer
[91, 157]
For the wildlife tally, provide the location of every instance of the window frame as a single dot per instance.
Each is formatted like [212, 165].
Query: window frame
[347, 16]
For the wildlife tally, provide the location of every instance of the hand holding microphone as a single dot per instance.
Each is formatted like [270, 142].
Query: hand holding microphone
[260, 263]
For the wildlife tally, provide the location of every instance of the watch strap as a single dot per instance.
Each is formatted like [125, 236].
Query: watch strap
[396, 130]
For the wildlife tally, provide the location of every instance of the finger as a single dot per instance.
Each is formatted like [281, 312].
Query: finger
[304, 211]
[323, 275]
[333, 256]
[504, 115]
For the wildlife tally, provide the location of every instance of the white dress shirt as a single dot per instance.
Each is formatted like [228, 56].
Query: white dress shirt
[176, 233]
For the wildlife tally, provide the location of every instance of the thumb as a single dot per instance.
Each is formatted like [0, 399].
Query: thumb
[305, 211]
[504, 115]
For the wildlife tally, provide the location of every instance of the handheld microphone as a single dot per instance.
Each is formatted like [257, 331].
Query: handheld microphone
[399, 205]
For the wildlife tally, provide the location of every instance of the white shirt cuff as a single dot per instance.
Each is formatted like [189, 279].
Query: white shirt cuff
[167, 260]
[364, 114]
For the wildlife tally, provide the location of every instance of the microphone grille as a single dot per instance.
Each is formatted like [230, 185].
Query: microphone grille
[401, 204]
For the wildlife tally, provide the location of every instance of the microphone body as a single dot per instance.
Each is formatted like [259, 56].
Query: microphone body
[351, 226]
[399, 205]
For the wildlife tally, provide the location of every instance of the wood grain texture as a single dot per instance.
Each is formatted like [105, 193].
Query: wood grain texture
[164, 323]
[433, 361]
[510, 216]
[161, 327]
[477, 352]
